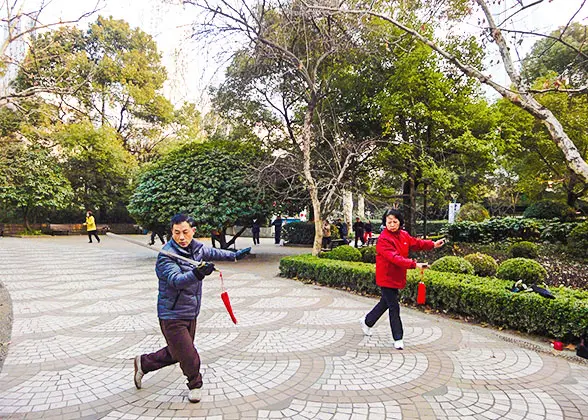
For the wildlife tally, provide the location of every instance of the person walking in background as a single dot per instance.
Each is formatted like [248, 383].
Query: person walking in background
[278, 229]
[358, 231]
[343, 230]
[367, 231]
[178, 303]
[326, 234]
[159, 231]
[91, 226]
[255, 229]
[392, 262]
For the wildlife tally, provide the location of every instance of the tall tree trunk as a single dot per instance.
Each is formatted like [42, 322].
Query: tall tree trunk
[348, 208]
[361, 206]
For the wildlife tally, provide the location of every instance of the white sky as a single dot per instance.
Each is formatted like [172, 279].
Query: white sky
[191, 69]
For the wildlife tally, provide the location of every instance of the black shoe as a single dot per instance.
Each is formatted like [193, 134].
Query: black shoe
[89, 242]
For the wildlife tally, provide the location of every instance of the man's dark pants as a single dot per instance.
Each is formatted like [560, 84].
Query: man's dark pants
[179, 335]
[388, 301]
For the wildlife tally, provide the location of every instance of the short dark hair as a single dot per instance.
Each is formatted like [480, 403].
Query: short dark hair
[180, 218]
[393, 212]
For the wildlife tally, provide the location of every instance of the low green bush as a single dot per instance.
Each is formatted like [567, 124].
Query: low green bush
[524, 249]
[368, 254]
[550, 209]
[484, 265]
[344, 253]
[472, 212]
[527, 270]
[298, 233]
[484, 299]
[578, 240]
[452, 264]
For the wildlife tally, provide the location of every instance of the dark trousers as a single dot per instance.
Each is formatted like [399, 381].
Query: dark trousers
[388, 301]
[278, 233]
[93, 233]
[179, 335]
[326, 242]
[153, 235]
[255, 238]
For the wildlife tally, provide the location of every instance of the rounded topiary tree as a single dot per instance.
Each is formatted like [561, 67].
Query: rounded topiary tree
[209, 181]
[451, 264]
[484, 265]
[472, 212]
[529, 271]
[368, 254]
[524, 249]
[344, 253]
[578, 240]
[549, 209]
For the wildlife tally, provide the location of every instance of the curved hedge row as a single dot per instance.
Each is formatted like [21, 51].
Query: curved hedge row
[485, 299]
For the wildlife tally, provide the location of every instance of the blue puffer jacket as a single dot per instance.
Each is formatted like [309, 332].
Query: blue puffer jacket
[180, 292]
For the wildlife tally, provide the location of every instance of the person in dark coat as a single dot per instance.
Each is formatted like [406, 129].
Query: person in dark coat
[278, 229]
[358, 231]
[255, 230]
[367, 231]
[392, 262]
[343, 229]
[178, 303]
[158, 231]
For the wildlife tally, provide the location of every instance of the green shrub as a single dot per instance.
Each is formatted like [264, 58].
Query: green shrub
[484, 299]
[524, 249]
[550, 209]
[529, 271]
[556, 231]
[368, 254]
[344, 253]
[578, 240]
[472, 212]
[484, 265]
[298, 233]
[494, 230]
[451, 264]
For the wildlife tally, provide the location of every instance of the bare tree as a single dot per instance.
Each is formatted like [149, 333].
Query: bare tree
[519, 92]
[18, 24]
[296, 49]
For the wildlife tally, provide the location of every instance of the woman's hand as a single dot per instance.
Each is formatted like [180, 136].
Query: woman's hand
[439, 243]
[422, 266]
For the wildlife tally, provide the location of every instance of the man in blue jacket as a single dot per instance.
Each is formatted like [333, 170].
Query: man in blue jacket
[178, 303]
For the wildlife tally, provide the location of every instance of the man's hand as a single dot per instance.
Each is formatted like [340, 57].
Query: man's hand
[242, 253]
[203, 270]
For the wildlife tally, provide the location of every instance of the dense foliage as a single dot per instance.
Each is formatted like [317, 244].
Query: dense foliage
[578, 240]
[484, 299]
[298, 233]
[527, 270]
[472, 212]
[210, 181]
[524, 249]
[549, 209]
[368, 254]
[451, 264]
[484, 265]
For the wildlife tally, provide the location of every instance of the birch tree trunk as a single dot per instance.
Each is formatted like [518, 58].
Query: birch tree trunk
[348, 208]
[361, 206]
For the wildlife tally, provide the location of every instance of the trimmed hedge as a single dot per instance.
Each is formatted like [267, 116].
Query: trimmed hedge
[343, 253]
[451, 264]
[484, 265]
[485, 299]
[299, 233]
[368, 254]
[524, 249]
[527, 270]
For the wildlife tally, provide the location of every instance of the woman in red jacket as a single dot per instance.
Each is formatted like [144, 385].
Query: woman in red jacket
[391, 264]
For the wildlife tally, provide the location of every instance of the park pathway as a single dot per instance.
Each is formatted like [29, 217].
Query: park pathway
[83, 311]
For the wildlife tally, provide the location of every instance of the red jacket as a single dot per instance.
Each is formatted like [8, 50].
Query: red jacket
[392, 257]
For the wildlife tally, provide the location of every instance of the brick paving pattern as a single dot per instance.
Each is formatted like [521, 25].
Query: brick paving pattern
[82, 312]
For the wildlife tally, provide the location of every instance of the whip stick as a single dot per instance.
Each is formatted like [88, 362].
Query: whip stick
[197, 264]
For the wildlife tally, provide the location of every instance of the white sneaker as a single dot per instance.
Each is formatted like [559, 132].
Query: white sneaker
[195, 395]
[138, 372]
[366, 330]
[399, 345]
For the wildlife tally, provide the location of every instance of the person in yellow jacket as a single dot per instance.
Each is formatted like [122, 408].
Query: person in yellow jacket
[91, 226]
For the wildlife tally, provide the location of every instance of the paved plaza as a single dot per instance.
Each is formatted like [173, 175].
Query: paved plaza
[83, 311]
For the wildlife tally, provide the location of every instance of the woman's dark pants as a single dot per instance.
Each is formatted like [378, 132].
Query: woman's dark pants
[388, 301]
